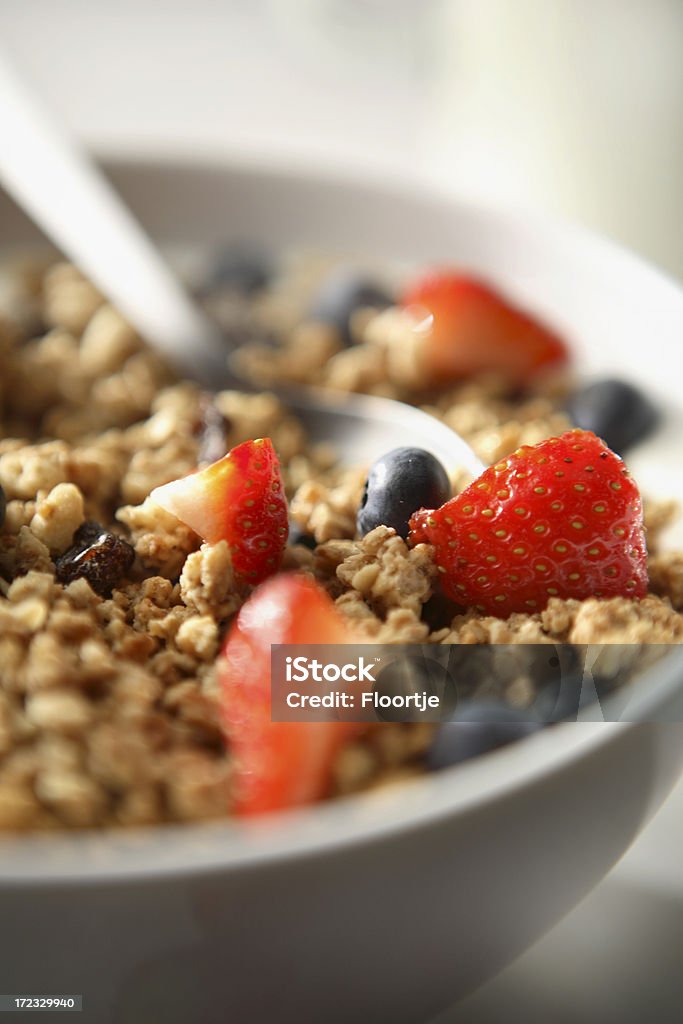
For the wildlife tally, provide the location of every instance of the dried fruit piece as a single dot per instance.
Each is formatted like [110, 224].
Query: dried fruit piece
[100, 557]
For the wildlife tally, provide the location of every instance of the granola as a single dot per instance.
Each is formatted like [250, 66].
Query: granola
[109, 702]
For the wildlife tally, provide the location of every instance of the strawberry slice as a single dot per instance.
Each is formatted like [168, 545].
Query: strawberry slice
[474, 329]
[239, 499]
[277, 764]
[560, 518]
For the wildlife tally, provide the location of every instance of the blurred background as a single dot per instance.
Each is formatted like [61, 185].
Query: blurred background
[574, 107]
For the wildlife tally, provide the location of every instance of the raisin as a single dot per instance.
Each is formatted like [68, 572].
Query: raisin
[98, 556]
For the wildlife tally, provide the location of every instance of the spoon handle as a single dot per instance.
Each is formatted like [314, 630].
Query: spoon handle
[72, 202]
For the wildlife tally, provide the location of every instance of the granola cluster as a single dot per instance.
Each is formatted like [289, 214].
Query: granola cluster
[109, 707]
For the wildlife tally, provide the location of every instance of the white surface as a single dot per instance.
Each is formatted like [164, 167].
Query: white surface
[571, 106]
[616, 959]
[345, 81]
[538, 102]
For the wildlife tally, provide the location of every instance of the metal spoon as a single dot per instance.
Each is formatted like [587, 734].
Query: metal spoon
[70, 200]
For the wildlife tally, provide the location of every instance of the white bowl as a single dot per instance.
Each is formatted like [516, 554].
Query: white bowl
[382, 908]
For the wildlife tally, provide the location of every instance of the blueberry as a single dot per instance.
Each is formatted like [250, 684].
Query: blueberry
[299, 536]
[556, 672]
[407, 676]
[3, 505]
[477, 728]
[100, 557]
[340, 295]
[560, 702]
[399, 483]
[563, 704]
[439, 611]
[243, 268]
[547, 665]
[614, 410]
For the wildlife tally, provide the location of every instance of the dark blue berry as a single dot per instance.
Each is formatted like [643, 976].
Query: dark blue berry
[573, 695]
[560, 701]
[297, 535]
[477, 728]
[243, 268]
[418, 674]
[556, 673]
[439, 611]
[547, 664]
[340, 295]
[3, 505]
[614, 410]
[399, 483]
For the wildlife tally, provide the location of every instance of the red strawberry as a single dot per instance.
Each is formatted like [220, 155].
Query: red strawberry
[562, 517]
[474, 329]
[277, 764]
[238, 499]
